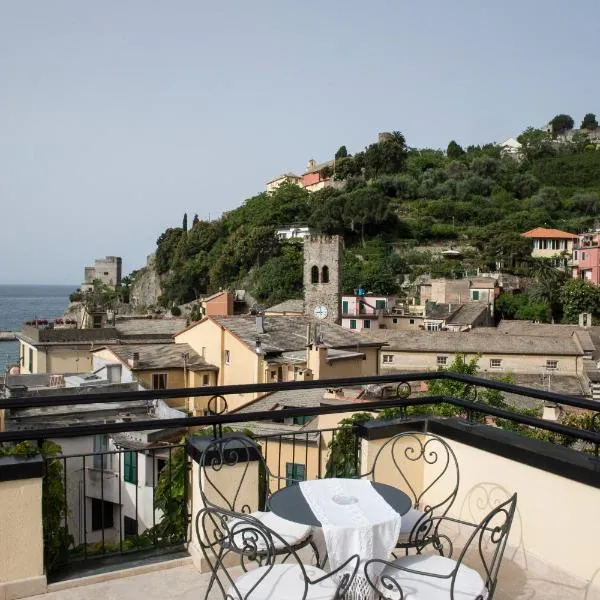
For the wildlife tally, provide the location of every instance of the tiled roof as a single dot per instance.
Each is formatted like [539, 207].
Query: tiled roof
[288, 333]
[162, 356]
[467, 313]
[319, 167]
[131, 328]
[442, 311]
[287, 306]
[541, 232]
[480, 343]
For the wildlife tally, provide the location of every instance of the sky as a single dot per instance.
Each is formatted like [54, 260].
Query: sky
[117, 117]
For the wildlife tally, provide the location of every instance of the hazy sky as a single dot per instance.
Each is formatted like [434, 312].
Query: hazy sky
[117, 116]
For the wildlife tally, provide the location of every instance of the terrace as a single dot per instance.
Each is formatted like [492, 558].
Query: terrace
[112, 502]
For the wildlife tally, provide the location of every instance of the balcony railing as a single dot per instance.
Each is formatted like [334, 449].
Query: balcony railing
[115, 502]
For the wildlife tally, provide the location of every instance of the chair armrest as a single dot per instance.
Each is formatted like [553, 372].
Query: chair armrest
[347, 577]
[405, 569]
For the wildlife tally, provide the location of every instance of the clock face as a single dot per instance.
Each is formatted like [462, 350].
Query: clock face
[320, 311]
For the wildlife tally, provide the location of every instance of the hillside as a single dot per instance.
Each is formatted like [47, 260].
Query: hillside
[394, 200]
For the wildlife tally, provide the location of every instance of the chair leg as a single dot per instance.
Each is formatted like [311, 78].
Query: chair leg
[213, 576]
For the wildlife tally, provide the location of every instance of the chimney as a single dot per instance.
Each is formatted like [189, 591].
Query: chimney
[260, 323]
[134, 361]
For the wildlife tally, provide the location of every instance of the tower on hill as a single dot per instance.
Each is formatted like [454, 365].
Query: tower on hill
[323, 277]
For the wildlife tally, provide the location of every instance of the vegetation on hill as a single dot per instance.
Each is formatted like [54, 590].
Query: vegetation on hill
[395, 201]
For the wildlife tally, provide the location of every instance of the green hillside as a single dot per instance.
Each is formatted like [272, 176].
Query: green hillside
[394, 200]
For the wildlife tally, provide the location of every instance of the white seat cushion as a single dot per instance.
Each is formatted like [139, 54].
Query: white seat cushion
[292, 533]
[409, 520]
[468, 586]
[284, 582]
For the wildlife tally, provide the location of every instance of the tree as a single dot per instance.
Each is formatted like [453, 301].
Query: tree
[535, 143]
[195, 221]
[454, 151]
[341, 153]
[589, 122]
[577, 296]
[548, 282]
[184, 225]
[561, 123]
[547, 198]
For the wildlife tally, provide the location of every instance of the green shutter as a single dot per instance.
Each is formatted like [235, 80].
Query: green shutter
[345, 307]
[379, 304]
[130, 467]
[294, 472]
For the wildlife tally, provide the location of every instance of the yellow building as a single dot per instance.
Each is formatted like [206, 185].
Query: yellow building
[159, 367]
[553, 244]
[248, 349]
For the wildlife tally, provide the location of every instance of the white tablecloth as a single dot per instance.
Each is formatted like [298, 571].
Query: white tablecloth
[355, 520]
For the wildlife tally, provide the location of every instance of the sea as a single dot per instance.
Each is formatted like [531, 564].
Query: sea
[20, 303]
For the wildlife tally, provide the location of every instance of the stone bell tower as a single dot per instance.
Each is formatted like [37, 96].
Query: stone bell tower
[323, 277]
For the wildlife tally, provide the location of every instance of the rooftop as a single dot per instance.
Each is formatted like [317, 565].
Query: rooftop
[542, 232]
[288, 333]
[288, 306]
[467, 313]
[135, 327]
[481, 343]
[161, 356]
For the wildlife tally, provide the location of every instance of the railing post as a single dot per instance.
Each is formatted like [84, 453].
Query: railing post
[21, 527]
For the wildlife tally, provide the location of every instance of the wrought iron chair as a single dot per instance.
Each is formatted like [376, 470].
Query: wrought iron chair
[221, 530]
[226, 462]
[428, 576]
[432, 497]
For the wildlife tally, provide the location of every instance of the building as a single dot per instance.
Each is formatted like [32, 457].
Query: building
[107, 270]
[511, 147]
[46, 348]
[261, 349]
[552, 244]
[289, 178]
[459, 291]
[294, 232]
[586, 257]
[497, 353]
[365, 311]
[109, 490]
[157, 367]
[323, 277]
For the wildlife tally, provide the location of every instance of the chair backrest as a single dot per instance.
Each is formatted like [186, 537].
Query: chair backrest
[221, 531]
[227, 474]
[423, 465]
[488, 538]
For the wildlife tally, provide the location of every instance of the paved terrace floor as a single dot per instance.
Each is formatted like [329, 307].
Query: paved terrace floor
[184, 582]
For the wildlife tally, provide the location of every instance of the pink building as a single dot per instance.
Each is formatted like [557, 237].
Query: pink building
[363, 312]
[586, 257]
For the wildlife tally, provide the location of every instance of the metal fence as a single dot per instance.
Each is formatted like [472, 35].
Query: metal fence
[117, 501]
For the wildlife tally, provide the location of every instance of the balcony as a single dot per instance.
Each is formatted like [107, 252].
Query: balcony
[551, 553]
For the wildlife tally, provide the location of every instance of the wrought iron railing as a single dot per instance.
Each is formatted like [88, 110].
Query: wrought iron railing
[87, 477]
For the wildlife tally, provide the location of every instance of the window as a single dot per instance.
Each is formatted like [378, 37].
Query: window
[294, 472]
[227, 357]
[31, 360]
[379, 304]
[345, 307]
[97, 322]
[205, 379]
[394, 320]
[411, 321]
[352, 323]
[536, 244]
[314, 274]
[388, 358]
[100, 449]
[433, 326]
[325, 275]
[551, 365]
[130, 467]
[442, 361]
[475, 295]
[366, 324]
[300, 420]
[129, 526]
[102, 514]
[159, 381]
[495, 363]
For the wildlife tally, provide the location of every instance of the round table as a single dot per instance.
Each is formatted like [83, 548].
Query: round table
[289, 503]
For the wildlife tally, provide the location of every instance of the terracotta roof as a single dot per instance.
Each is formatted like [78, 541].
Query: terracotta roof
[541, 232]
